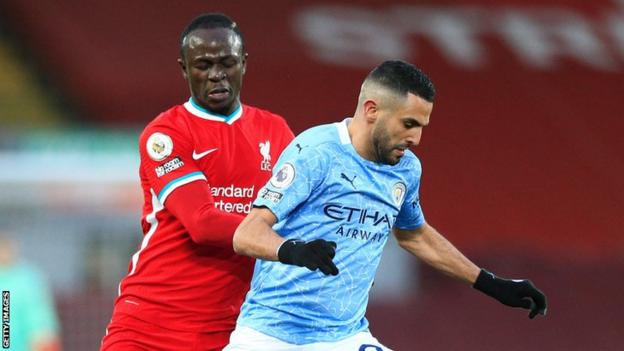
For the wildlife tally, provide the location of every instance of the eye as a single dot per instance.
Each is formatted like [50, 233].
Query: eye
[230, 62]
[409, 123]
[202, 65]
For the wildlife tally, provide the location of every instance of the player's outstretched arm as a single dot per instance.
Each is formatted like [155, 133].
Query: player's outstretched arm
[430, 246]
[255, 237]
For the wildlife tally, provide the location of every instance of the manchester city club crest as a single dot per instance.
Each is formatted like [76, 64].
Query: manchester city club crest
[398, 193]
[159, 146]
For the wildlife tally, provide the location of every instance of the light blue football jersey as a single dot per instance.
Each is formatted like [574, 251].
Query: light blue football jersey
[322, 188]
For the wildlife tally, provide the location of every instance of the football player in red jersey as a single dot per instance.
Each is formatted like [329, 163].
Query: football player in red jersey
[202, 164]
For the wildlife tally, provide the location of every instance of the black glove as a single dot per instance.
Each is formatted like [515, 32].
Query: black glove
[317, 254]
[512, 292]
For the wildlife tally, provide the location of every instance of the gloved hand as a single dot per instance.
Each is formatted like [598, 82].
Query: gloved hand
[512, 292]
[317, 254]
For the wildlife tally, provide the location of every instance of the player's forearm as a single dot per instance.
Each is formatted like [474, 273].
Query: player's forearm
[432, 248]
[211, 226]
[254, 237]
[194, 207]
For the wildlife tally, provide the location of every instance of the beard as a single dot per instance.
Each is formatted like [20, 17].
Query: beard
[382, 146]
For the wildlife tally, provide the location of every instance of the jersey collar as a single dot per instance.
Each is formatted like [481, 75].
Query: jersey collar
[196, 110]
[343, 132]
[345, 139]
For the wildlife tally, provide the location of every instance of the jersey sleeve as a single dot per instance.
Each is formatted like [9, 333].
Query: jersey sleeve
[411, 215]
[193, 205]
[166, 159]
[297, 175]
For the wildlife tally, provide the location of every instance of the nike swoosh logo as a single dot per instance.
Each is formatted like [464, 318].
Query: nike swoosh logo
[197, 156]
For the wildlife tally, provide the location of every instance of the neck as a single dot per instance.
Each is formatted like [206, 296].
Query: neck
[361, 135]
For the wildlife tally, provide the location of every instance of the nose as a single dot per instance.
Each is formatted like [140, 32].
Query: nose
[414, 138]
[216, 74]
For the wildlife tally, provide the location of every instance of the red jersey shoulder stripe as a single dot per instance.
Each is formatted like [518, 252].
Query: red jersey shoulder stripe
[178, 182]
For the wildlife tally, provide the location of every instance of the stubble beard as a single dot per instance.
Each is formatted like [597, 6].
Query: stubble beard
[382, 148]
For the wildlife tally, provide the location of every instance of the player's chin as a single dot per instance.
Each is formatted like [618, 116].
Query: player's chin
[219, 105]
[392, 160]
[395, 156]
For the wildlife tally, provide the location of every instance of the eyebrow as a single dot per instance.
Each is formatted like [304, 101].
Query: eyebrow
[217, 58]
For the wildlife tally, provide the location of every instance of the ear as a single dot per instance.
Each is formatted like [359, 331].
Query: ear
[371, 110]
[183, 67]
[244, 63]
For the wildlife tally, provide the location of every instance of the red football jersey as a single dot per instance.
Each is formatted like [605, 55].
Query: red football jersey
[176, 281]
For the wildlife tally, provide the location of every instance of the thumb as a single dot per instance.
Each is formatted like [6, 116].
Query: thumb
[332, 245]
[529, 304]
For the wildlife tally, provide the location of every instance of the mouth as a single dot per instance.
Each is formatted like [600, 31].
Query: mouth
[219, 94]
[400, 151]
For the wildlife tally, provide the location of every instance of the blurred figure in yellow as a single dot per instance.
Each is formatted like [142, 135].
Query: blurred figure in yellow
[32, 321]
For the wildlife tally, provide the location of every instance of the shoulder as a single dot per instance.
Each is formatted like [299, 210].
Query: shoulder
[168, 131]
[410, 163]
[314, 147]
[262, 114]
[321, 136]
[167, 122]
[411, 159]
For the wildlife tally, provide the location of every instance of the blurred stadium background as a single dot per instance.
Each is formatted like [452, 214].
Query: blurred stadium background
[523, 161]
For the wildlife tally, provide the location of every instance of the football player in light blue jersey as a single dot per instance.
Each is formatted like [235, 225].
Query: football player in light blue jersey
[338, 192]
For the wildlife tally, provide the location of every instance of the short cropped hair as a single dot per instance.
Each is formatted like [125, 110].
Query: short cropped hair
[210, 21]
[402, 78]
